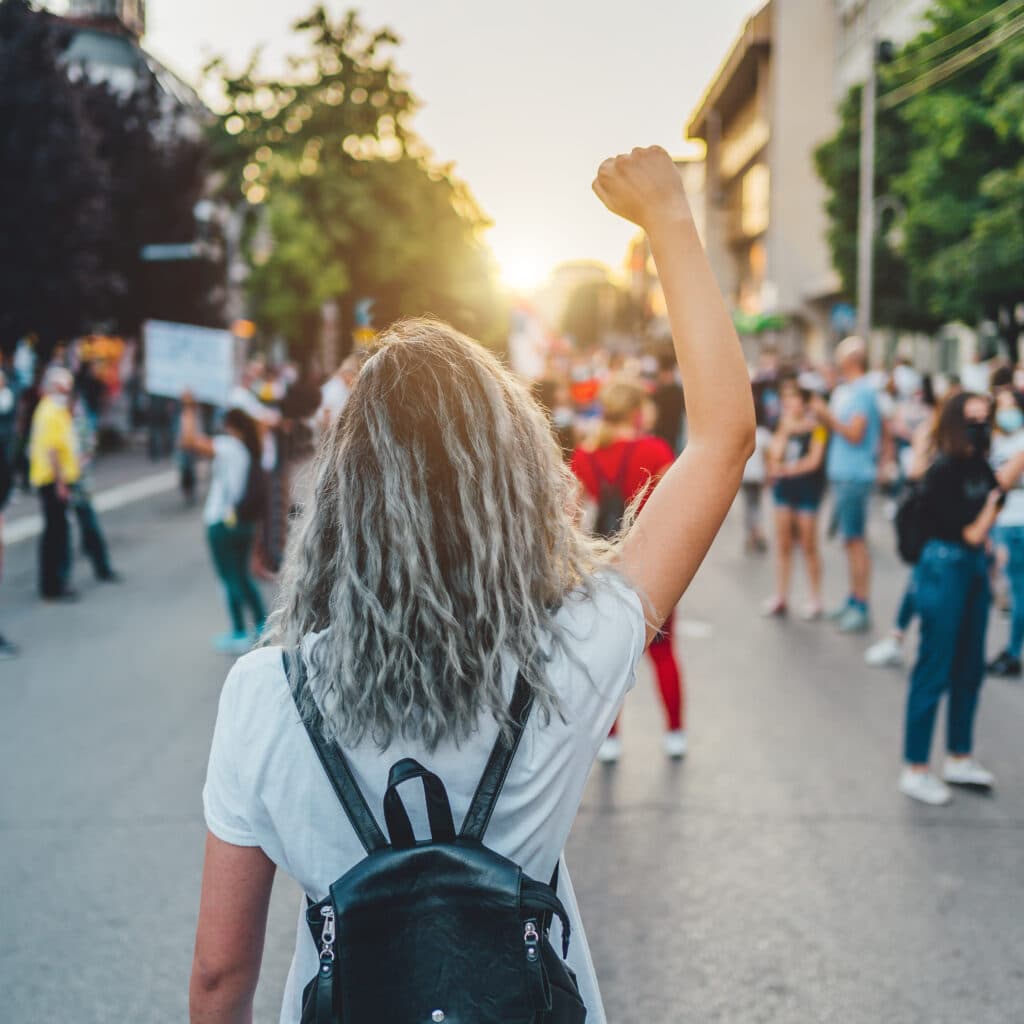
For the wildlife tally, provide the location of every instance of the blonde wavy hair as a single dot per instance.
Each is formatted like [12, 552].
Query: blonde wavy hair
[440, 540]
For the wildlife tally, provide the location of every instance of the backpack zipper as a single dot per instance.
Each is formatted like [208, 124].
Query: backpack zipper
[531, 937]
[327, 937]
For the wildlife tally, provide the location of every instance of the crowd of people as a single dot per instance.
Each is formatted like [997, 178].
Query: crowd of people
[944, 462]
[49, 420]
[948, 463]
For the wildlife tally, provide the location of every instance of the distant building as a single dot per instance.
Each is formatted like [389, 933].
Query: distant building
[771, 103]
[106, 47]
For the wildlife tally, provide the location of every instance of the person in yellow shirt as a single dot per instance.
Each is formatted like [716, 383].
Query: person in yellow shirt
[53, 469]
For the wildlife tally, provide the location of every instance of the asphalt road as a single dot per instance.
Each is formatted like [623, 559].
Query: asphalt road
[775, 876]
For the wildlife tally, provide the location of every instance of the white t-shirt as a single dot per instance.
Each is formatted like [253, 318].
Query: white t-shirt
[334, 397]
[756, 469]
[265, 786]
[229, 474]
[1004, 448]
[242, 398]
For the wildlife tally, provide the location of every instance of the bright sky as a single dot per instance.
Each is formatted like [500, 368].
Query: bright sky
[526, 97]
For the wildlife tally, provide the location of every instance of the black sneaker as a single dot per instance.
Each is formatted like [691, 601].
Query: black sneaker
[7, 650]
[1006, 666]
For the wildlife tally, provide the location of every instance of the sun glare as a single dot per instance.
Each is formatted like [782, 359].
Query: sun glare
[522, 268]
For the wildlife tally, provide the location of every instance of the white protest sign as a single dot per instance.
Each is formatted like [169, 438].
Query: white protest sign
[180, 358]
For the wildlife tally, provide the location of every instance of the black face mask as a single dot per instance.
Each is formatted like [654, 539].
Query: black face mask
[979, 435]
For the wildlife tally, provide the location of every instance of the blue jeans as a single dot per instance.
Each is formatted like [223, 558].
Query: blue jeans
[231, 547]
[952, 597]
[906, 611]
[1012, 538]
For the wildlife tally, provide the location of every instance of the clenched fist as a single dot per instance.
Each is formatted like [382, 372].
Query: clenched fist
[643, 186]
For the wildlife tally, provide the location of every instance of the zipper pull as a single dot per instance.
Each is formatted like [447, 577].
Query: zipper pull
[531, 936]
[327, 937]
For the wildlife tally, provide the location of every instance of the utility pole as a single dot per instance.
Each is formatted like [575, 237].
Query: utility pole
[881, 53]
[866, 206]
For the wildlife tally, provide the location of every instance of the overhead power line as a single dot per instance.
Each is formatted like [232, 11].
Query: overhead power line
[941, 46]
[953, 65]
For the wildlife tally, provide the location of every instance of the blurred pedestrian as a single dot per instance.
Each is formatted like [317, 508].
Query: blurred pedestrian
[1008, 534]
[621, 466]
[553, 396]
[855, 427]
[960, 500]
[8, 424]
[795, 463]
[53, 471]
[94, 543]
[669, 403]
[438, 565]
[915, 460]
[755, 476]
[234, 505]
[334, 394]
[7, 649]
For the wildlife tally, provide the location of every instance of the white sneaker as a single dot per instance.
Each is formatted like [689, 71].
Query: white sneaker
[965, 771]
[887, 653]
[610, 751]
[925, 787]
[674, 744]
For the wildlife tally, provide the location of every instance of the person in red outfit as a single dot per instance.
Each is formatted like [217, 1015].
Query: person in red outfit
[622, 465]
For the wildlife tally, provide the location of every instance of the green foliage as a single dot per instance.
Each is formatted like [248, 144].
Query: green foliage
[596, 307]
[154, 175]
[54, 209]
[953, 156]
[353, 205]
[90, 177]
[838, 164]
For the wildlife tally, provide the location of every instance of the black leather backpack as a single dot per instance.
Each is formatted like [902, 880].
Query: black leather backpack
[439, 931]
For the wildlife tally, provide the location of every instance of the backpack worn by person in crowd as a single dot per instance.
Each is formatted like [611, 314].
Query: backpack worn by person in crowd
[611, 496]
[910, 529]
[436, 931]
[253, 506]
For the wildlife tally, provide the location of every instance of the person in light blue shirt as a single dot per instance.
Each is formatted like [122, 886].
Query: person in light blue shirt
[855, 423]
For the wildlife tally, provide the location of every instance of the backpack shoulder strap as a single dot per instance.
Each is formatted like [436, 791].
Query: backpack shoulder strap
[478, 817]
[595, 465]
[627, 458]
[333, 760]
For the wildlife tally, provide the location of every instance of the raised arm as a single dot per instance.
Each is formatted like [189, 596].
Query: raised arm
[192, 439]
[674, 531]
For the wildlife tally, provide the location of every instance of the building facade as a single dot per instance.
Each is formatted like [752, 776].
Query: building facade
[771, 103]
[767, 108]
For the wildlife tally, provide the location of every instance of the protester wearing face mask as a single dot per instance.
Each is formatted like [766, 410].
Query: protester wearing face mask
[960, 500]
[53, 470]
[1008, 442]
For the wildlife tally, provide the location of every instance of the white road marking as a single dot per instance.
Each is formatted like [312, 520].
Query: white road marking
[28, 527]
[695, 629]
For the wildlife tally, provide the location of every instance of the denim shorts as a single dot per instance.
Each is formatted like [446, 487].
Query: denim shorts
[850, 508]
[803, 496]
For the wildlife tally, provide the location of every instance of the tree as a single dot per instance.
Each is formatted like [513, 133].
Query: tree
[952, 156]
[155, 173]
[55, 208]
[349, 196]
[593, 309]
[964, 180]
[838, 164]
